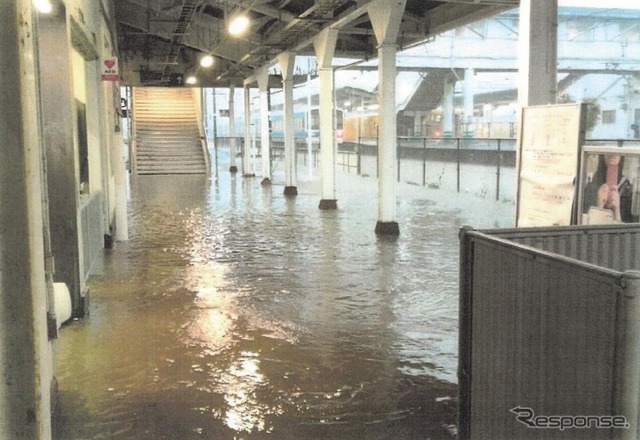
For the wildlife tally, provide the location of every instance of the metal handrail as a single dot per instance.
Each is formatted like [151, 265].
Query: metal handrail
[204, 143]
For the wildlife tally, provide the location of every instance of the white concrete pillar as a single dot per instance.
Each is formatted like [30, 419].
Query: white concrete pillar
[308, 125]
[387, 142]
[247, 158]
[447, 107]
[119, 165]
[386, 17]
[116, 149]
[538, 52]
[98, 115]
[324, 45]
[417, 123]
[468, 91]
[233, 167]
[120, 177]
[26, 367]
[287, 62]
[265, 145]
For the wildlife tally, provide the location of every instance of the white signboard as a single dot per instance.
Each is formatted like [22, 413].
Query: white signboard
[110, 69]
[548, 148]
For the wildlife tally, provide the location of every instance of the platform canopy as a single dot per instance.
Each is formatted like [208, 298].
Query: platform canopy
[162, 41]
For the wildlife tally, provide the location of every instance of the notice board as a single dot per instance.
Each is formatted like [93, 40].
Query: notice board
[548, 162]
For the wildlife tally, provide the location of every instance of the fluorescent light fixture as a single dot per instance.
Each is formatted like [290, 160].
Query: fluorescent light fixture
[191, 80]
[238, 25]
[43, 6]
[206, 61]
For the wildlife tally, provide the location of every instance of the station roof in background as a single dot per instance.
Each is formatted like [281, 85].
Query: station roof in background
[161, 41]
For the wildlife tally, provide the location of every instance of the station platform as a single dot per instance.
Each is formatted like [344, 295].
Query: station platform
[236, 312]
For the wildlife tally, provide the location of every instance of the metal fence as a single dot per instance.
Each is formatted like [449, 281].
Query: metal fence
[550, 326]
[451, 163]
[483, 166]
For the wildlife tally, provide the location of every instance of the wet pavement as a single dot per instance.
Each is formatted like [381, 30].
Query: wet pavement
[236, 313]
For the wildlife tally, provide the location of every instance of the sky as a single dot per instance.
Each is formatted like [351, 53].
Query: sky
[607, 4]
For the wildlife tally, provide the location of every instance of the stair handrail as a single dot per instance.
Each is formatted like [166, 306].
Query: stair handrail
[204, 143]
[205, 147]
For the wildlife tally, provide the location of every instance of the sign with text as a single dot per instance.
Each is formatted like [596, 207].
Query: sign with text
[548, 157]
[110, 69]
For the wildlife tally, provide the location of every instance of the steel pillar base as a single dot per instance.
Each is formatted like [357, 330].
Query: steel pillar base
[290, 190]
[327, 204]
[266, 182]
[233, 169]
[387, 228]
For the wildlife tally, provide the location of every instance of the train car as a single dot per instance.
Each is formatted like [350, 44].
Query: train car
[361, 125]
[365, 125]
[303, 119]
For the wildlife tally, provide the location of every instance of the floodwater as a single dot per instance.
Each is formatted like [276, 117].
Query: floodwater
[236, 313]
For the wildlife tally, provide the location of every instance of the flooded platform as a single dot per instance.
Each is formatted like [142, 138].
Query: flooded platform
[236, 313]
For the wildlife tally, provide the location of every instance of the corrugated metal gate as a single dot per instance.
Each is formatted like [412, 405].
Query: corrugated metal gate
[550, 324]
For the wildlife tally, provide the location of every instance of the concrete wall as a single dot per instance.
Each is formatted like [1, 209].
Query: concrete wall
[77, 140]
[46, 63]
[59, 140]
[25, 353]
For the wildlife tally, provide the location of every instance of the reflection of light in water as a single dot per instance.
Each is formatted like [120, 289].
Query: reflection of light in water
[239, 385]
[214, 329]
[214, 316]
[205, 278]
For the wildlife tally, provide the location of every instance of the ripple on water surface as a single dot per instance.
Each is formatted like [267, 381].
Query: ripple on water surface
[234, 312]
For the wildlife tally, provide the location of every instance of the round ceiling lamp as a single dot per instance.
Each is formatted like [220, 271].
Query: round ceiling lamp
[238, 25]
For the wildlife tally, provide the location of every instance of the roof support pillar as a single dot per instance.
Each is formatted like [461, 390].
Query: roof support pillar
[265, 146]
[118, 150]
[447, 107]
[325, 45]
[26, 365]
[469, 90]
[538, 52]
[247, 158]
[386, 17]
[287, 62]
[233, 167]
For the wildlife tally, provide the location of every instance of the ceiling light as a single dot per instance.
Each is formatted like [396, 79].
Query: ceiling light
[43, 6]
[191, 80]
[238, 25]
[206, 61]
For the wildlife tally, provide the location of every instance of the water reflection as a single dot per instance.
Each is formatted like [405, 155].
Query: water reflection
[235, 312]
[240, 384]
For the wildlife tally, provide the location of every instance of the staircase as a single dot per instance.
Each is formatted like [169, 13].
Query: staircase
[430, 92]
[166, 132]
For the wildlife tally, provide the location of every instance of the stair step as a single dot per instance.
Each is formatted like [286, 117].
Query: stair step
[167, 132]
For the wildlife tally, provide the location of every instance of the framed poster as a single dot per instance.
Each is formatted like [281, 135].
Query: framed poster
[609, 185]
[547, 165]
